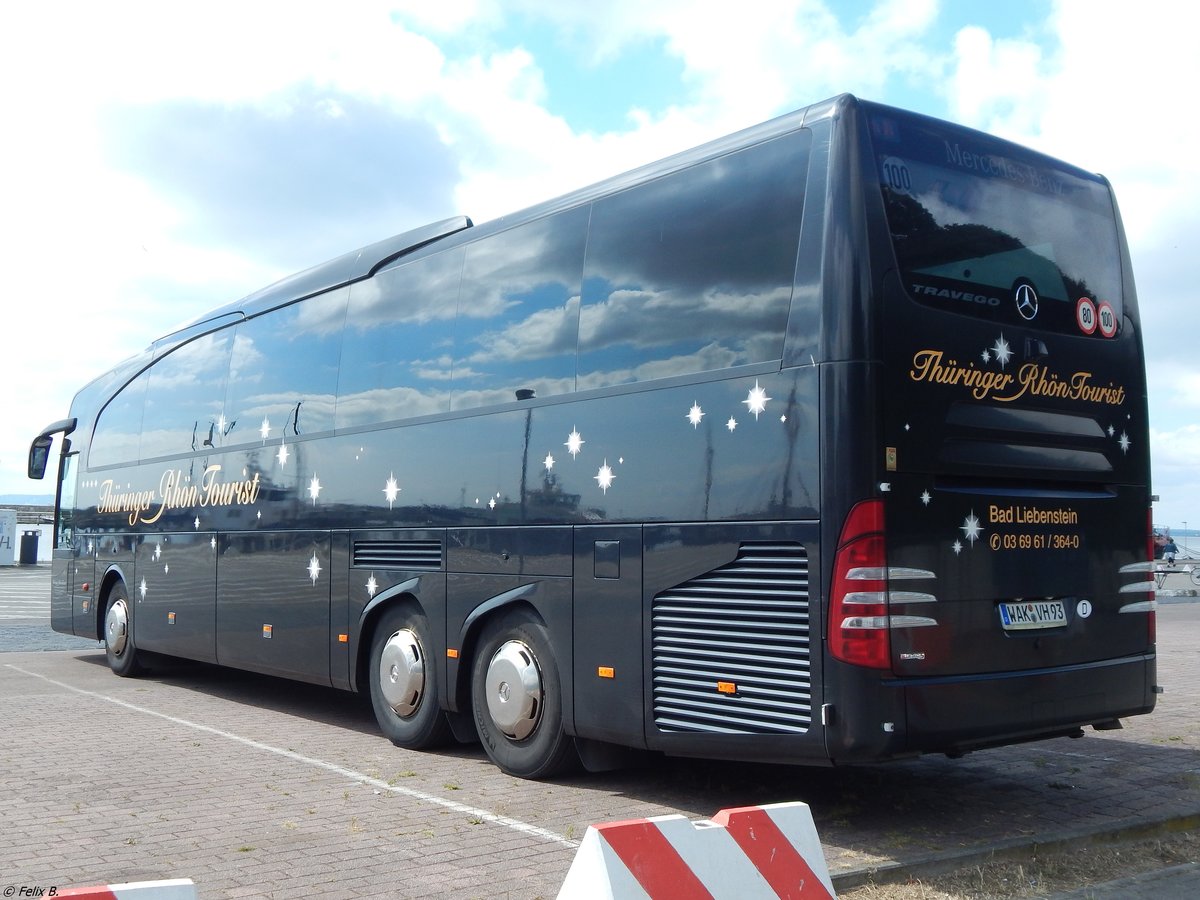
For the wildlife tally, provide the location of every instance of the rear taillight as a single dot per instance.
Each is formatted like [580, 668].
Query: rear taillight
[1150, 534]
[858, 610]
[1151, 618]
[1144, 587]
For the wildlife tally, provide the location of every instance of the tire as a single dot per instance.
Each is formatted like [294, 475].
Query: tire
[119, 646]
[1195, 575]
[516, 695]
[403, 681]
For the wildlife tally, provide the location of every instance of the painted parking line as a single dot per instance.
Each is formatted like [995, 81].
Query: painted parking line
[359, 777]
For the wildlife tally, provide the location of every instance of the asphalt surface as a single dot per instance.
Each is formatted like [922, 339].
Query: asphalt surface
[256, 787]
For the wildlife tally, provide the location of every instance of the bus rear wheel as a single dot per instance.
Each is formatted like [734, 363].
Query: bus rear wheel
[517, 699]
[119, 647]
[403, 681]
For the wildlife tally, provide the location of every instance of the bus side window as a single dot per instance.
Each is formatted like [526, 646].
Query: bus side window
[185, 397]
[284, 370]
[118, 429]
[693, 271]
[518, 312]
[398, 344]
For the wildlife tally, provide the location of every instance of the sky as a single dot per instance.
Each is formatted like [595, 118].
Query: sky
[161, 159]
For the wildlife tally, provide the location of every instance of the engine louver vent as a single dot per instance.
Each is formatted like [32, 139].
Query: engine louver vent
[424, 555]
[745, 625]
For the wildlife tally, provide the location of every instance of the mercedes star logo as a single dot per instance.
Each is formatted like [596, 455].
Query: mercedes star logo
[1027, 301]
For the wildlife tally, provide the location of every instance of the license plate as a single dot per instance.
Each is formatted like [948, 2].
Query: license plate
[1032, 614]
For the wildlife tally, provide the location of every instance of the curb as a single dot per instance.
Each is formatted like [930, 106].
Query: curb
[1177, 596]
[172, 889]
[1014, 849]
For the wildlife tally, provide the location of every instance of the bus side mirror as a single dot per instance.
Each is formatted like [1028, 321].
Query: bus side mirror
[39, 455]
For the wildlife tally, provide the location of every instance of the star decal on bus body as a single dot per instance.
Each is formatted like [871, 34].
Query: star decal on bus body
[971, 528]
[548, 462]
[142, 589]
[314, 488]
[756, 400]
[926, 497]
[605, 477]
[731, 424]
[695, 414]
[1002, 351]
[314, 568]
[1123, 443]
[574, 442]
[391, 489]
[282, 455]
[265, 429]
[372, 585]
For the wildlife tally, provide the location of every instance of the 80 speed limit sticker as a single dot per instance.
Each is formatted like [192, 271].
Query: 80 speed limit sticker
[1085, 315]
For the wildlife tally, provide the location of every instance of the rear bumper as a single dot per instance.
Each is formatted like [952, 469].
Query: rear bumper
[952, 715]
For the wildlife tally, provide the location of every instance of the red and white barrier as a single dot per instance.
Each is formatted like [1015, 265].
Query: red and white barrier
[174, 889]
[750, 852]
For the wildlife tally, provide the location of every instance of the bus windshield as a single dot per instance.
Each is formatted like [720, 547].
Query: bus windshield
[973, 219]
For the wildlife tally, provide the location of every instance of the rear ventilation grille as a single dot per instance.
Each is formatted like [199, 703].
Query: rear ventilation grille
[423, 555]
[730, 652]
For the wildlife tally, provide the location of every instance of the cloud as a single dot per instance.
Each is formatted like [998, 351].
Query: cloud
[327, 174]
[169, 159]
[1176, 464]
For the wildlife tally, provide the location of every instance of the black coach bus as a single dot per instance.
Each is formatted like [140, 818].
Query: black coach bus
[825, 442]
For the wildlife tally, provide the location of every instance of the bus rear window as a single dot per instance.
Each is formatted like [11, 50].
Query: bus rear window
[984, 227]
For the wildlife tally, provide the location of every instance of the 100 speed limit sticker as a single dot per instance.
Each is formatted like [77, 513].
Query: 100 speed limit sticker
[1092, 317]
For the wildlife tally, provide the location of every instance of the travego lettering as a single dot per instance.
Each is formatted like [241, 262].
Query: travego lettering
[929, 290]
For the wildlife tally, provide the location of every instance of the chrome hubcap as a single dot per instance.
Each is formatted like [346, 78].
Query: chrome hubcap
[402, 672]
[116, 627]
[514, 690]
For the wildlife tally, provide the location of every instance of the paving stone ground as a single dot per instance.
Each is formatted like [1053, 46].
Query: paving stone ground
[257, 787]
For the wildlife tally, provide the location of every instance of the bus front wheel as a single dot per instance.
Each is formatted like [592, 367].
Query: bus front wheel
[403, 681]
[517, 699]
[119, 647]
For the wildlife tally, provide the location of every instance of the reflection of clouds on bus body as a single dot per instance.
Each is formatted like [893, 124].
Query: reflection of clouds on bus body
[315, 413]
[647, 318]
[708, 358]
[247, 363]
[469, 399]
[388, 404]
[545, 332]
[440, 369]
